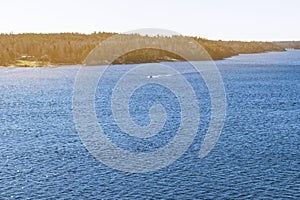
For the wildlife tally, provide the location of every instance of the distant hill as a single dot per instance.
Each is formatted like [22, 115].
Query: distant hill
[288, 44]
[72, 48]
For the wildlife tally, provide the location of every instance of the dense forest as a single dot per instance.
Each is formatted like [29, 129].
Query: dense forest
[289, 44]
[73, 48]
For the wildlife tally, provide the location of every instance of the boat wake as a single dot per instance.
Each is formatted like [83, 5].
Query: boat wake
[168, 75]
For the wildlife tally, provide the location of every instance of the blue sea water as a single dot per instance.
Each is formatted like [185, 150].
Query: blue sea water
[257, 155]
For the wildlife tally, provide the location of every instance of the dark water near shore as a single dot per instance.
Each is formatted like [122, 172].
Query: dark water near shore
[257, 155]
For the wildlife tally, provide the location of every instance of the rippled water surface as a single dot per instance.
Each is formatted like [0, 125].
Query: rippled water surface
[257, 155]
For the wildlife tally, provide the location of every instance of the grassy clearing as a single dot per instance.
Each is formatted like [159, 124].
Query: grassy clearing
[25, 63]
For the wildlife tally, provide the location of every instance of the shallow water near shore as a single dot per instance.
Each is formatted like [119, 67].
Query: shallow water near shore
[257, 155]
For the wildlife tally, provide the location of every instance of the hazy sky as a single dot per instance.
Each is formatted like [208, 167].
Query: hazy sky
[212, 19]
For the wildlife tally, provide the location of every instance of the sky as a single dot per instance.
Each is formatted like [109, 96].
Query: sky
[248, 20]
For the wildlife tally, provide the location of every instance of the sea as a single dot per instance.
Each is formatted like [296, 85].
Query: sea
[43, 154]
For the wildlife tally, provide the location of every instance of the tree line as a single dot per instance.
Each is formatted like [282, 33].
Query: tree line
[289, 44]
[73, 48]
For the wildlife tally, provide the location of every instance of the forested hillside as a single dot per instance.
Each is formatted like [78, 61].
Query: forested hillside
[289, 44]
[73, 48]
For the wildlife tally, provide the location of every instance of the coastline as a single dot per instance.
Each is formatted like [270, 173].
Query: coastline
[37, 64]
[64, 49]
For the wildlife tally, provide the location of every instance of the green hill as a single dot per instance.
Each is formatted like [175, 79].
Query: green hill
[289, 44]
[72, 48]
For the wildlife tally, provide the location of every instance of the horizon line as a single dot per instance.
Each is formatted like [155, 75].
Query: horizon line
[111, 32]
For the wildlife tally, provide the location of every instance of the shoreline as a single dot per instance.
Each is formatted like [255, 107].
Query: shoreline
[55, 65]
[64, 49]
